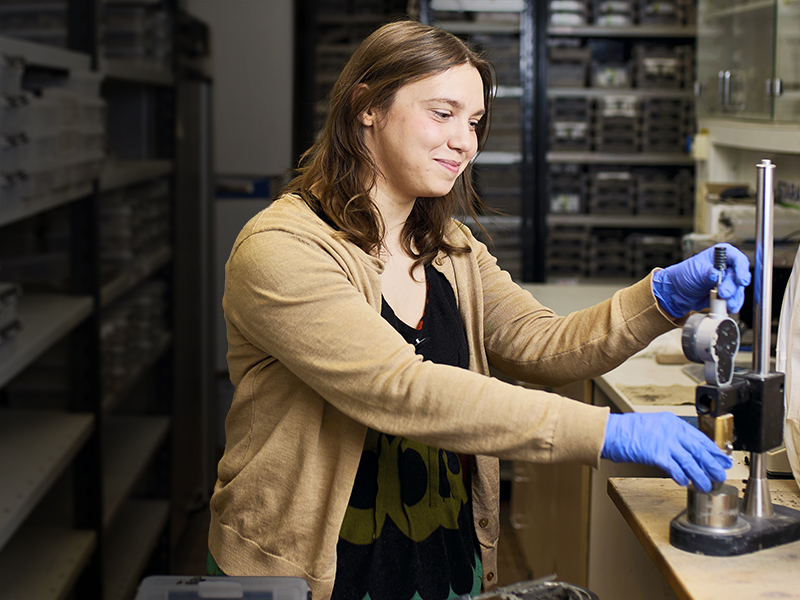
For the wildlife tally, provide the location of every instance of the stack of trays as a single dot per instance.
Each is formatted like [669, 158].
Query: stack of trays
[611, 191]
[566, 251]
[617, 124]
[10, 324]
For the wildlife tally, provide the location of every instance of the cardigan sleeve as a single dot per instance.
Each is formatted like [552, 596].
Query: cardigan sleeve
[530, 342]
[294, 303]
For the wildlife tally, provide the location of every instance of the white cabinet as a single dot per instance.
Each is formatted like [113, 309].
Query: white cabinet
[748, 59]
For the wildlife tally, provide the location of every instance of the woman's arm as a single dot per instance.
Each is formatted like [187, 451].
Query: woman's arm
[530, 342]
[301, 303]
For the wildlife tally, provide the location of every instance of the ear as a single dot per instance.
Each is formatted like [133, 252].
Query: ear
[367, 118]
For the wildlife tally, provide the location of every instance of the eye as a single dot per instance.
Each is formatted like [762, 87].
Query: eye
[444, 115]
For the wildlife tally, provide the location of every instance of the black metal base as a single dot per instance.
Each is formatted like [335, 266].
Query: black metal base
[754, 534]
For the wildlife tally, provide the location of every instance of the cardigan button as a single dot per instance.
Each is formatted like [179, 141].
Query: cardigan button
[490, 576]
[483, 522]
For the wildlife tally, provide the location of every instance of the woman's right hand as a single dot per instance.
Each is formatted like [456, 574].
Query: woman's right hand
[665, 440]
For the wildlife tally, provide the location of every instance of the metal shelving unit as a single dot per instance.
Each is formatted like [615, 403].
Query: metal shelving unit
[135, 534]
[121, 173]
[503, 171]
[597, 224]
[89, 476]
[46, 319]
[43, 563]
[37, 447]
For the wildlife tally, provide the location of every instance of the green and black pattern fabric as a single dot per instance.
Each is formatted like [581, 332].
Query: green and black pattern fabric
[408, 532]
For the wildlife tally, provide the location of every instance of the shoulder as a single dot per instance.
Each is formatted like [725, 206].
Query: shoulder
[287, 232]
[286, 217]
[457, 233]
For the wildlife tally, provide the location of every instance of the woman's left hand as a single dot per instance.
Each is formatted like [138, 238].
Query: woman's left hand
[685, 287]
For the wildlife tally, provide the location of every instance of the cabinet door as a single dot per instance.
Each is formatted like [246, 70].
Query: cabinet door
[787, 61]
[735, 42]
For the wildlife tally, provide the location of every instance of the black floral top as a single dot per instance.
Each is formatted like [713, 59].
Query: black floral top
[408, 532]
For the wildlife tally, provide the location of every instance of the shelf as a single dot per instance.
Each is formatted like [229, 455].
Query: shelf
[130, 544]
[498, 158]
[347, 49]
[508, 91]
[633, 31]
[35, 448]
[43, 55]
[600, 158]
[117, 174]
[129, 445]
[45, 318]
[110, 401]
[624, 221]
[43, 563]
[34, 206]
[750, 135]
[603, 92]
[738, 9]
[482, 27]
[134, 274]
[122, 70]
[479, 5]
[334, 18]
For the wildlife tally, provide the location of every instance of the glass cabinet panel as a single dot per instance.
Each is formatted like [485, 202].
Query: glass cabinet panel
[787, 61]
[735, 46]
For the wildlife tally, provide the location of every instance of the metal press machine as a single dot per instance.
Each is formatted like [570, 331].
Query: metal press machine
[738, 411]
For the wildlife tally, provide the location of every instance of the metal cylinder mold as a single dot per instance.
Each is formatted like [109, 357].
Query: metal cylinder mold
[716, 510]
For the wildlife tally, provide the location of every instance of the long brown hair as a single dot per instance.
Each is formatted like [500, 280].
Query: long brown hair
[337, 173]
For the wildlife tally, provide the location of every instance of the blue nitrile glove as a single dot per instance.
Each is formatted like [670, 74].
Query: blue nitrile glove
[684, 287]
[665, 440]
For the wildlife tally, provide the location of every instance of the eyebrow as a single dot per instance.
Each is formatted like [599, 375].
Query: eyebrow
[455, 104]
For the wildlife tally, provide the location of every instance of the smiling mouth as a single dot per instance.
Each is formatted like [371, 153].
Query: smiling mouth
[451, 165]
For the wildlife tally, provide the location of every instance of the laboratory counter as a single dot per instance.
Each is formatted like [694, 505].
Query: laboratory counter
[648, 505]
[625, 509]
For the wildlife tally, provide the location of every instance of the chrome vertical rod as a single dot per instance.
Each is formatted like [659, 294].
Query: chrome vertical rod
[762, 289]
[757, 501]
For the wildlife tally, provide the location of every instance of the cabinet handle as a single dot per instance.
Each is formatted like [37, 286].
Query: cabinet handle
[726, 89]
[774, 87]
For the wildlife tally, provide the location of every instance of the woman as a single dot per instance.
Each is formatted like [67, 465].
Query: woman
[364, 435]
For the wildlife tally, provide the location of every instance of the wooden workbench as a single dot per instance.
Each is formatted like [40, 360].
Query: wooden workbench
[649, 504]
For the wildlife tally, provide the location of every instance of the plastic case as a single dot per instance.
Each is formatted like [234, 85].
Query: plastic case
[566, 251]
[163, 587]
[10, 325]
[611, 75]
[9, 293]
[661, 12]
[568, 67]
[11, 68]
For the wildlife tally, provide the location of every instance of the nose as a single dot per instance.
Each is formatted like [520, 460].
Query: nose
[464, 138]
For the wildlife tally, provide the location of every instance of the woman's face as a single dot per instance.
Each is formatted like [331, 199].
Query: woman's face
[427, 137]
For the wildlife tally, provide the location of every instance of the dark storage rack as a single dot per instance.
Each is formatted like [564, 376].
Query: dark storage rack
[503, 171]
[621, 109]
[584, 91]
[90, 387]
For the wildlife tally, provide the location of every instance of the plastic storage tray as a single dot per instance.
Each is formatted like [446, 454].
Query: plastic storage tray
[9, 293]
[11, 69]
[163, 587]
[568, 67]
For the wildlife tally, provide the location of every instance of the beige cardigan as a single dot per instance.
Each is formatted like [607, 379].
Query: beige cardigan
[314, 365]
